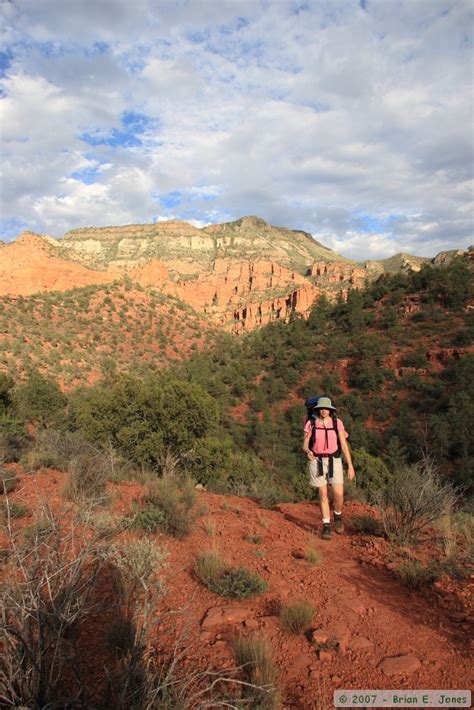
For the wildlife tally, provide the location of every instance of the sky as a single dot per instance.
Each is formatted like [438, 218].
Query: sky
[350, 119]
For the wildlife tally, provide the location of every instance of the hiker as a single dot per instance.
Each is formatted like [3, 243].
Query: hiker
[324, 440]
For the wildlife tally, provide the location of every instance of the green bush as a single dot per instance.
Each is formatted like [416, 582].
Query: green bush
[13, 510]
[13, 438]
[39, 398]
[211, 461]
[144, 419]
[6, 393]
[371, 472]
[150, 519]
[239, 583]
[226, 581]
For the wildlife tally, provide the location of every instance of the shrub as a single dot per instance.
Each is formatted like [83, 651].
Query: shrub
[270, 495]
[415, 575]
[120, 635]
[226, 581]
[144, 418]
[254, 655]
[12, 438]
[10, 509]
[105, 524]
[239, 583]
[372, 474]
[46, 595]
[139, 561]
[296, 617]
[87, 476]
[366, 525]
[8, 480]
[150, 519]
[55, 449]
[457, 538]
[174, 502]
[413, 499]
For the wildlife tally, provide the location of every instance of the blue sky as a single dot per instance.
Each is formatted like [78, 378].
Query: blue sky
[350, 119]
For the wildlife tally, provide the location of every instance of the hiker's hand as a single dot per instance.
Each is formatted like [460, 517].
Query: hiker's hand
[310, 455]
[351, 473]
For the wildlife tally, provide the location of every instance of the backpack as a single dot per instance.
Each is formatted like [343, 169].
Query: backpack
[311, 405]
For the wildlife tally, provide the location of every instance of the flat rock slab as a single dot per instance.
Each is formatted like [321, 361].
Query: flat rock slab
[400, 665]
[224, 615]
[352, 603]
[360, 643]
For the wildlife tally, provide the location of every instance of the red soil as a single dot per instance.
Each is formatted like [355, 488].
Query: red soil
[364, 613]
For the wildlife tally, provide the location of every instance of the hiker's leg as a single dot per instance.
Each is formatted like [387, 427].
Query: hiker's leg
[338, 495]
[324, 502]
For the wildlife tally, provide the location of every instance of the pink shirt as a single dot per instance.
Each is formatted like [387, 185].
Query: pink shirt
[325, 441]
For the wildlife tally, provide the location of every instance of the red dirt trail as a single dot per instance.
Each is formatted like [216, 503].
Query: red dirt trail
[363, 615]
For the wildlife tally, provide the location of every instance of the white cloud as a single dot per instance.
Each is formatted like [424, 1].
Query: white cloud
[308, 116]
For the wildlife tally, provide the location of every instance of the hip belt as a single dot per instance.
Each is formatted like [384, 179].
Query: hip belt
[330, 458]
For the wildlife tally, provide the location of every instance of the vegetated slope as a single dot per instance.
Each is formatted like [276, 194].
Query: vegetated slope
[366, 630]
[84, 334]
[398, 359]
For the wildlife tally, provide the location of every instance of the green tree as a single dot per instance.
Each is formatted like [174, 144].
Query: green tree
[39, 399]
[144, 418]
[6, 393]
[372, 473]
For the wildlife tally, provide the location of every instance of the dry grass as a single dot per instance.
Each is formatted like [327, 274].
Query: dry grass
[173, 501]
[254, 656]
[415, 575]
[296, 617]
[47, 594]
[311, 553]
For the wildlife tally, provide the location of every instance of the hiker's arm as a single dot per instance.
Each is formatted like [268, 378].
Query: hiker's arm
[306, 439]
[347, 455]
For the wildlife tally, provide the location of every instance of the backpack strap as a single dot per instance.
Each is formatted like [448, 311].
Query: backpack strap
[338, 453]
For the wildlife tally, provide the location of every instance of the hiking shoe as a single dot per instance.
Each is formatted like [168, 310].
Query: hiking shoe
[326, 531]
[338, 524]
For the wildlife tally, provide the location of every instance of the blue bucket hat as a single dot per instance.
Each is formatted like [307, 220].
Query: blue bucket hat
[325, 403]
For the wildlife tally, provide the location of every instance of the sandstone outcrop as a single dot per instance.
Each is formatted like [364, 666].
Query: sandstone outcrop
[32, 264]
[337, 273]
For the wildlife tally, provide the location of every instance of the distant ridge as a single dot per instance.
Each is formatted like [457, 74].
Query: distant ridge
[239, 275]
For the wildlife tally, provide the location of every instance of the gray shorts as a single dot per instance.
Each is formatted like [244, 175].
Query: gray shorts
[318, 481]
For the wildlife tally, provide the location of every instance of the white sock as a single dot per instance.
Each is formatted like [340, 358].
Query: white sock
[326, 521]
[336, 513]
